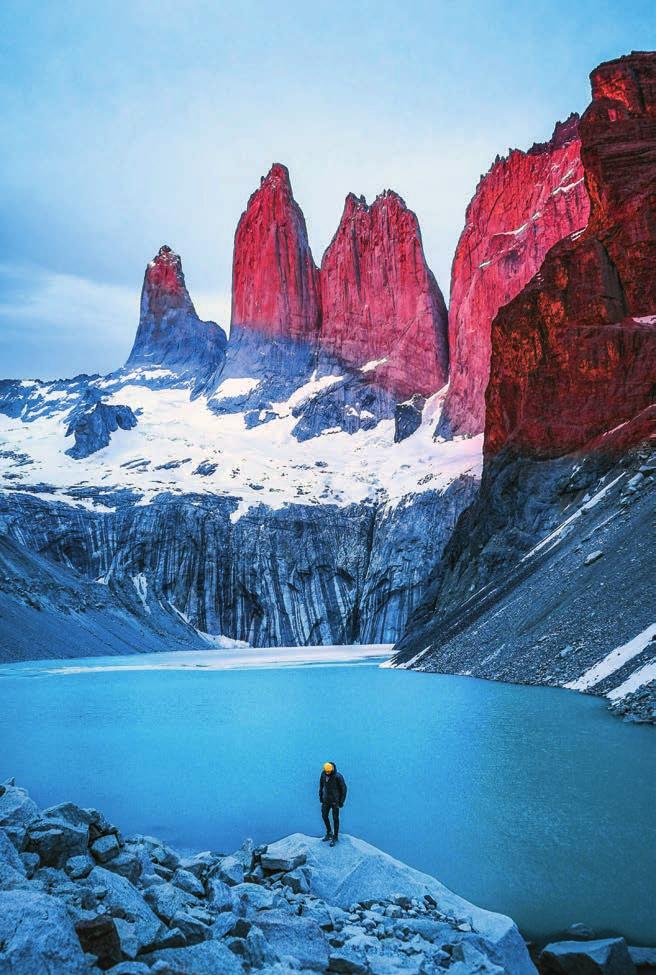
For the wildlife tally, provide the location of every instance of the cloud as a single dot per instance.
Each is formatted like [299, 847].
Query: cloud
[62, 324]
[55, 324]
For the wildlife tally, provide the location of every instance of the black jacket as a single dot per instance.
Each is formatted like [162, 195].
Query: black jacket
[332, 788]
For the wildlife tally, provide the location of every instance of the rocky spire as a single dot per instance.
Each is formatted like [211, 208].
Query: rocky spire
[275, 283]
[170, 333]
[382, 308]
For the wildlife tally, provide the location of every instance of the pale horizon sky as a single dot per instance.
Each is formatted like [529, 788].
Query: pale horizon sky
[126, 126]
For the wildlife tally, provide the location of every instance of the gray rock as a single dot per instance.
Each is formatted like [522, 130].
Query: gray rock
[258, 952]
[12, 868]
[56, 841]
[218, 893]
[128, 864]
[292, 936]
[192, 928]
[644, 959]
[16, 807]
[467, 958]
[105, 848]
[69, 812]
[230, 870]
[249, 898]
[78, 867]
[607, 956]
[127, 934]
[579, 932]
[297, 881]
[593, 557]
[31, 863]
[208, 958]
[355, 872]
[224, 924]
[122, 897]
[167, 900]
[348, 960]
[188, 882]
[165, 857]
[37, 936]
[275, 863]
[199, 864]
[131, 968]
[98, 937]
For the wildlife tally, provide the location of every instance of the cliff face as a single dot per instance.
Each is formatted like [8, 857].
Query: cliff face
[569, 472]
[526, 203]
[382, 308]
[298, 575]
[170, 333]
[275, 283]
[574, 355]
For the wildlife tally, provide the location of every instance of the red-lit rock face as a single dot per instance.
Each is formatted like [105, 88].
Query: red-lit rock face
[275, 283]
[574, 355]
[522, 207]
[381, 303]
[164, 284]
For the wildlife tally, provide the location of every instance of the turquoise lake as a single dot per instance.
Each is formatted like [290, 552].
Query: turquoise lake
[531, 801]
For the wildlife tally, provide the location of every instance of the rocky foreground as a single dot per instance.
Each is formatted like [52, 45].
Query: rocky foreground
[78, 898]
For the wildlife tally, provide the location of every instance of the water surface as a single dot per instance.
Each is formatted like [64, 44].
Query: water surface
[531, 801]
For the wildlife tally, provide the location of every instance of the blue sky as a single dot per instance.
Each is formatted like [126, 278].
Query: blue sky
[128, 124]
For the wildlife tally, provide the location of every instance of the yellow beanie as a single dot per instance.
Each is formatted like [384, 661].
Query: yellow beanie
[328, 767]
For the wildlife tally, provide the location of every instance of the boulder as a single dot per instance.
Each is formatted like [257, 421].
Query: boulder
[349, 960]
[128, 864]
[292, 936]
[230, 870]
[186, 881]
[79, 867]
[297, 881]
[98, 936]
[278, 862]
[208, 958]
[56, 841]
[192, 928]
[125, 901]
[12, 868]
[131, 968]
[199, 864]
[105, 848]
[258, 952]
[167, 900]
[37, 936]
[644, 959]
[355, 872]
[607, 956]
[16, 807]
[249, 898]
[165, 857]
[218, 893]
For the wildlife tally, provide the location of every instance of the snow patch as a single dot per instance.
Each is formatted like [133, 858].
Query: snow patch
[613, 661]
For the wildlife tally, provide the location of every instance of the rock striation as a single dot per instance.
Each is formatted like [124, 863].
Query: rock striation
[525, 204]
[170, 333]
[65, 907]
[382, 310]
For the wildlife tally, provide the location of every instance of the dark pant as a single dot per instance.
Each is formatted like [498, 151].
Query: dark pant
[326, 808]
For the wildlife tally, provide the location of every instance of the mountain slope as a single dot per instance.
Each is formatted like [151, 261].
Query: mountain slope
[571, 409]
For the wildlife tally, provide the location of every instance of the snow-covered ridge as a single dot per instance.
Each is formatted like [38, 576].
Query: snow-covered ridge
[180, 445]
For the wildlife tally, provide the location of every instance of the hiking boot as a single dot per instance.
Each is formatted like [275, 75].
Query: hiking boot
[334, 840]
[327, 837]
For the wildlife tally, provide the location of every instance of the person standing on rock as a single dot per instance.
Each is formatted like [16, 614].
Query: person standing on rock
[332, 796]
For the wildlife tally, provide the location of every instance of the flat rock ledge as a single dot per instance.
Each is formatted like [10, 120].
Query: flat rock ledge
[79, 898]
